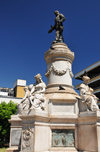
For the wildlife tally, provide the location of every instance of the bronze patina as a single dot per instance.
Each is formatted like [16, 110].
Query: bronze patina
[58, 27]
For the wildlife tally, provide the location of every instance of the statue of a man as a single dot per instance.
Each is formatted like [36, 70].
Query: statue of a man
[87, 95]
[58, 27]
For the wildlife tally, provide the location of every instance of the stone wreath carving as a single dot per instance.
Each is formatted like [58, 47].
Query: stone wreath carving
[34, 96]
[58, 72]
[26, 139]
[71, 73]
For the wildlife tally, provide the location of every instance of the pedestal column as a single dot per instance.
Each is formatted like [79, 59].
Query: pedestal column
[59, 60]
[61, 98]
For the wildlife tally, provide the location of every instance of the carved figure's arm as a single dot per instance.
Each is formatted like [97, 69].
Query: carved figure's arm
[43, 90]
[32, 90]
[26, 94]
[62, 18]
[52, 28]
[40, 87]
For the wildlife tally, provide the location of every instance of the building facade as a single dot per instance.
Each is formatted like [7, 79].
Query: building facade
[14, 94]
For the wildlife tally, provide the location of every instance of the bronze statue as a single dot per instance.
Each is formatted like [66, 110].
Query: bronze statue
[58, 27]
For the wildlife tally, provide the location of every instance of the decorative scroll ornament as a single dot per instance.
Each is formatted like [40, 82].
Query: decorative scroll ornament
[58, 72]
[26, 140]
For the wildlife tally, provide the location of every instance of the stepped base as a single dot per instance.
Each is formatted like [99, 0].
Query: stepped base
[14, 149]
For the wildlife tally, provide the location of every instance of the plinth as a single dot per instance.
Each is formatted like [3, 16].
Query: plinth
[62, 98]
[62, 125]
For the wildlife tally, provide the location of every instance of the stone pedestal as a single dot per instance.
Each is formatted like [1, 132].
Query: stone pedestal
[59, 60]
[42, 130]
[62, 125]
[55, 128]
[12, 149]
[15, 134]
[89, 131]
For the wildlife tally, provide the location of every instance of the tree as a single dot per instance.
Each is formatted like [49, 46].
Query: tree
[6, 110]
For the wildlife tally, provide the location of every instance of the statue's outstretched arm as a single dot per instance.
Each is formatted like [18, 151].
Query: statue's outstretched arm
[26, 94]
[32, 90]
[52, 28]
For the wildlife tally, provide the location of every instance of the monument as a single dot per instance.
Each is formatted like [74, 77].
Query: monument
[55, 118]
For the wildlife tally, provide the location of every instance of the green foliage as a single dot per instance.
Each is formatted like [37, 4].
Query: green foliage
[6, 110]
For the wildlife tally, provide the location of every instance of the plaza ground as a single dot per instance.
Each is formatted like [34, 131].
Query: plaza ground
[2, 149]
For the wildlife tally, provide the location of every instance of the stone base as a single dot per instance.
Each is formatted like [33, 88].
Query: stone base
[89, 131]
[12, 149]
[69, 149]
[15, 131]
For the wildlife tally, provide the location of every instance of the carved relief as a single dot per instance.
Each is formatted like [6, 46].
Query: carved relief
[58, 72]
[63, 138]
[27, 137]
[71, 73]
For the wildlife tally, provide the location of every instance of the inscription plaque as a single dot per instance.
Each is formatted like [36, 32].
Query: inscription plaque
[63, 108]
[15, 137]
[63, 138]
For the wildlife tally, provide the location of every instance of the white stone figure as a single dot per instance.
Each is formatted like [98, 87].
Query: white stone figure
[37, 93]
[87, 95]
[34, 96]
[25, 103]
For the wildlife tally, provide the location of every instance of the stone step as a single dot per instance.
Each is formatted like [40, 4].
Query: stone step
[12, 149]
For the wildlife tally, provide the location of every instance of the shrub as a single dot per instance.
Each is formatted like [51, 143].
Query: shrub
[6, 110]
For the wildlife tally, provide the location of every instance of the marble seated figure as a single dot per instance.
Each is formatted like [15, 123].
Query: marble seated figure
[87, 95]
[34, 96]
[37, 93]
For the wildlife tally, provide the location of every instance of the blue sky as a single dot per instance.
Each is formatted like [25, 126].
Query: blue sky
[24, 37]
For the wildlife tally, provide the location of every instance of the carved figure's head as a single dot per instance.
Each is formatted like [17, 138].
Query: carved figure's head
[38, 78]
[56, 12]
[25, 88]
[86, 79]
[30, 86]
